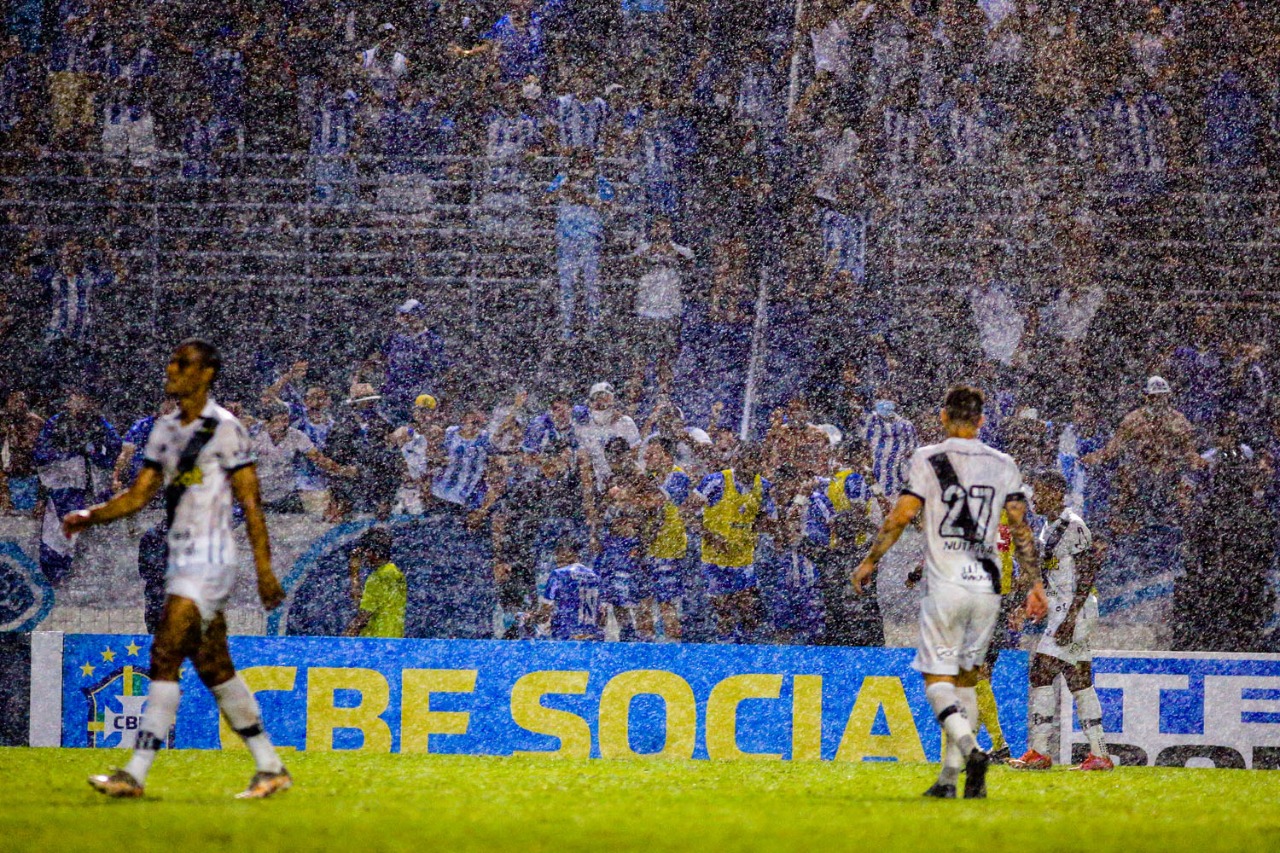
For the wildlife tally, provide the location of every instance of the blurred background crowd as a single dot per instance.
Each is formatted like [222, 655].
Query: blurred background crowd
[456, 251]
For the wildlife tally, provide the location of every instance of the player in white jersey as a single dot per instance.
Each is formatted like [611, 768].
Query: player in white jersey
[200, 456]
[961, 485]
[1069, 571]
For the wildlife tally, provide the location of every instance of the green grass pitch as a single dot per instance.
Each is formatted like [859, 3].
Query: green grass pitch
[366, 802]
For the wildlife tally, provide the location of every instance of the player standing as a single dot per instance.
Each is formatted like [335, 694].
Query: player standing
[201, 456]
[1069, 571]
[962, 485]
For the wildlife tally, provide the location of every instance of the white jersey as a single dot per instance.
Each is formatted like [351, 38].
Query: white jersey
[201, 529]
[964, 485]
[1061, 542]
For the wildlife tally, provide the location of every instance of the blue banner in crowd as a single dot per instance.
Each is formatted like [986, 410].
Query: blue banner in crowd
[610, 700]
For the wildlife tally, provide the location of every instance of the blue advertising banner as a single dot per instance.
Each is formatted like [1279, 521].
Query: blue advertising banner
[608, 700]
[1186, 709]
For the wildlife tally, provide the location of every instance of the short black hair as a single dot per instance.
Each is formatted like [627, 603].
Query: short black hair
[376, 544]
[963, 404]
[617, 446]
[209, 355]
[667, 444]
[1050, 478]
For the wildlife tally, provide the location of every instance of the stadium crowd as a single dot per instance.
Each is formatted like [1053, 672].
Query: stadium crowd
[726, 144]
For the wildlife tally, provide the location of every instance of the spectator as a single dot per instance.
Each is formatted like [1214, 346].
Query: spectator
[383, 66]
[360, 439]
[1139, 133]
[601, 422]
[580, 117]
[514, 135]
[280, 449]
[1154, 452]
[129, 131]
[517, 39]
[19, 429]
[76, 63]
[841, 516]
[579, 194]
[664, 265]
[420, 444]
[412, 138]
[736, 506]
[1001, 324]
[890, 439]
[73, 289]
[312, 415]
[383, 597]
[334, 133]
[134, 446]
[461, 484]
[570, 600]
[415, 360]
[1224, 601]
[74, 455]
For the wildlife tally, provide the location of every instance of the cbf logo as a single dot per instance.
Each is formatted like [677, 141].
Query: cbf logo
[116, 699]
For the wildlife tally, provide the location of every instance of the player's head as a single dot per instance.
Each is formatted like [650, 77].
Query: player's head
[374, 546]
[659, 455]
[1049, 488]
[192, 368]
[568, 551]
[275, 415]
[317, 400]
[962, 411]
[617, 452]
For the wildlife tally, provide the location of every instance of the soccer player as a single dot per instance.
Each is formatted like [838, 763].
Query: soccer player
[961, 485]
[201, 456]
[1069, 571]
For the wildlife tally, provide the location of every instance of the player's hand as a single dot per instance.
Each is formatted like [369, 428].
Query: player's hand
[75, 522]
[270, 591]
[1037, 603]
[862, 575]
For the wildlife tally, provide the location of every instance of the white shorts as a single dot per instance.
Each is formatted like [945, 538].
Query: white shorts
[956, 626]
[1078, 650]
[208, 585]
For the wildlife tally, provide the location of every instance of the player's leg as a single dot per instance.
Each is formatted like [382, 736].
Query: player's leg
[989, 711]
[979, 614]
[941, 634]
[213, 664]
[1044, 669]
[177, 637]
[1089, 710]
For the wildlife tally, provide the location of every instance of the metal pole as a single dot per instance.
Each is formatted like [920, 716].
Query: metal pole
[757, 352]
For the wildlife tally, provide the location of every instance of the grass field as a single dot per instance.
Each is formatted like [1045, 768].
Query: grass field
[349, 801]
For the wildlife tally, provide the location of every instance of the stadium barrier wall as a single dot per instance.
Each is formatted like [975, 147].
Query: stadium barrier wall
[573, 700]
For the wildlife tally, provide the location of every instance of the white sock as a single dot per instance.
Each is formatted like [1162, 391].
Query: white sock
[950, 715]
[1042, 719]
[241, 710]
[162, 711]
[968, 697]
[952, 762]
[1089, 710]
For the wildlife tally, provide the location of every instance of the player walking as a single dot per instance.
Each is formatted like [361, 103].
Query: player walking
[200, 454]
[1069, 572]
[962, 485]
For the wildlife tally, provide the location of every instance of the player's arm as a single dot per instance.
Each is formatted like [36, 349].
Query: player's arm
[244, 485]
[902, 514]
[1028, 555]
[127, 449]
[1086, 576]
[126, 503]
[328, 466]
